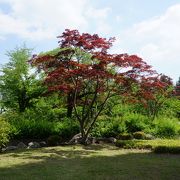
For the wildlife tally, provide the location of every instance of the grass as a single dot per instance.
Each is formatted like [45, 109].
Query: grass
[97, 162]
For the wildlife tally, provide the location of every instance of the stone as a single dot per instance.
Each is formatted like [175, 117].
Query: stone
[106, 140]
[33, 145]
[21, 145]
[75, 139]
[43, 144]
[3, 150]
[112, 140]
[149, 137]
[11, 148]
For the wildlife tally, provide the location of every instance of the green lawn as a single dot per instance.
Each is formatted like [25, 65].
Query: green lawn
[93, 162]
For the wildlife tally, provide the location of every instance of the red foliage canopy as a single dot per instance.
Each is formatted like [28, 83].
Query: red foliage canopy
[84, 57]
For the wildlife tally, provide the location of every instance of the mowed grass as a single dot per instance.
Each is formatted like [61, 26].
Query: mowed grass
[94, 162]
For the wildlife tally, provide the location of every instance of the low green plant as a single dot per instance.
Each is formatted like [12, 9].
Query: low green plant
[125, 136]
[132, 144]
[139, 135]
[148, 144]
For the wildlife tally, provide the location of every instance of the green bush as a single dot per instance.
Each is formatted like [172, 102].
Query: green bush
[126, 144]
[125, 136]
[135, 122]
[166, 127]
[66, 128]
[4, 132]
[167, 149]
[139, 135]
[110, 127]
[33, 129]
[121, 143]
[24, 127]
[53, 140]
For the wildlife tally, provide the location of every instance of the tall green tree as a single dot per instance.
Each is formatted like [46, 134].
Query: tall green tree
[18, 84]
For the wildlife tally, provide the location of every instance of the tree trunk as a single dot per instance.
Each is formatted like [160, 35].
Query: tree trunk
[69, 105]
[84, 135]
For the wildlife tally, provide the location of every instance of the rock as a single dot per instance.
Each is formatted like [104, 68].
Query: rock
[33, 145]
[43, 144]
[21, 145]
[112, 140]
[3, 150]
[105, 140]
[149, 137]
[10, 148]
[75, 139]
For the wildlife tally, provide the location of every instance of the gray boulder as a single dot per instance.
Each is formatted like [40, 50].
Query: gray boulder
[106, 140]
[21, 145]
[43, 144]
[33, 145]
[112, 140]
[149, 137]
[11, 148]
[75, 139]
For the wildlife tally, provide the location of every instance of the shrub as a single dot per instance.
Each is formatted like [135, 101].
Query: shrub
[53, 140]
[120, 144]
[4, 132]
[33, 129]
[66, 128]
[167, 149]
[166, 127]
[125, 136]
[135, 122]
[109, 128]
[127, 144]
[26, 128]
[139, 135]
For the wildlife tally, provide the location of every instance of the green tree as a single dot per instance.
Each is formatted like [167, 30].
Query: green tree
[18, 84]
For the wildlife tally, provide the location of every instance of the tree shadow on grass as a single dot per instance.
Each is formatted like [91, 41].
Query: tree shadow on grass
[73, 150]
[95, 147]
[79, 164]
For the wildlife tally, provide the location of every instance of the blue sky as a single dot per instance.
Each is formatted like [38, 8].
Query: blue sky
[148, 28]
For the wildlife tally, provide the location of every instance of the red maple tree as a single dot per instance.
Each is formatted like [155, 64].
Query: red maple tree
[89, 75]
[154, 93]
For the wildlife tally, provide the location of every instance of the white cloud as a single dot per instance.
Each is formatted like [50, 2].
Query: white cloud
[39, 19]
[157, 40]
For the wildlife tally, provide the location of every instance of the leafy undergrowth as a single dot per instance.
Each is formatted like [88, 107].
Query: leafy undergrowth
[88, 162]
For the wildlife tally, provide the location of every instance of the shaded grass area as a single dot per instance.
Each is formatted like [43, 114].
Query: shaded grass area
[99, 162]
